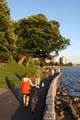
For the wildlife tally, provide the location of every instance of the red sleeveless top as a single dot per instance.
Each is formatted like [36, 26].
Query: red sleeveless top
[26, 86]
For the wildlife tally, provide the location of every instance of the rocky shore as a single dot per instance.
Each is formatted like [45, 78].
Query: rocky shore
[67, 107]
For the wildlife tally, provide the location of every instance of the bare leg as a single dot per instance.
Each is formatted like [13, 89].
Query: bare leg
[27, 100]
[24, 99]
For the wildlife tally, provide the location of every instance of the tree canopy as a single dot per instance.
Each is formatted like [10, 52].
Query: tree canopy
[6, 31]
[37, 36]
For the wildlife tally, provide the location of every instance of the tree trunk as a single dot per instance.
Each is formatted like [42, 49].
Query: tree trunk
[21, 60]
[28, 61]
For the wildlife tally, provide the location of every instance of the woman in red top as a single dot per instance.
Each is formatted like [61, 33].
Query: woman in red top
[26, 87]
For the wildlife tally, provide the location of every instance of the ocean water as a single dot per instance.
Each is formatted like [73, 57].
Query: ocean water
[71, 79]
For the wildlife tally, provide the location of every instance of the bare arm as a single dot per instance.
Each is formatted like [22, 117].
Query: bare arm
[31, 82]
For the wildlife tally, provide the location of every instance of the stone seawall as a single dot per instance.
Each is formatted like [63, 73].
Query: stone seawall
[49, 111]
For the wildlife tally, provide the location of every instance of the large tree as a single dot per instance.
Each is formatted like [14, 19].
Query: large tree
[7, 37]
[37, 36]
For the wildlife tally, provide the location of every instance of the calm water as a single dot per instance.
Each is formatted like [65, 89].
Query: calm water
[71, 79]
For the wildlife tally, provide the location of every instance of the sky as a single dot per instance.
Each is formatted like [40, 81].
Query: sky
[66, 12]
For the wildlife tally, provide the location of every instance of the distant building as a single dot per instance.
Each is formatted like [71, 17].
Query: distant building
[63, 60]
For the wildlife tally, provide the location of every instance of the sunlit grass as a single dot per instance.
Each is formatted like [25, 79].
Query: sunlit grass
[11, 74]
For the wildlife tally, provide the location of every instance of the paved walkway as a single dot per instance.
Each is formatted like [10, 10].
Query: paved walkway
[11, 107]
[3, 90]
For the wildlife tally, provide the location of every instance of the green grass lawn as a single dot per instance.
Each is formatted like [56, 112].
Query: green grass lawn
[11, 74]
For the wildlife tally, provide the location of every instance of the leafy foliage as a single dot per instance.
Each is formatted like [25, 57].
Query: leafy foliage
[38, 37]
[7, 37]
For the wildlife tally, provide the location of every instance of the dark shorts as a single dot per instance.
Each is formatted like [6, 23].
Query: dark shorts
[28, 94]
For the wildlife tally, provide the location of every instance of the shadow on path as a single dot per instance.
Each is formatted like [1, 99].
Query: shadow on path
[14, 91]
